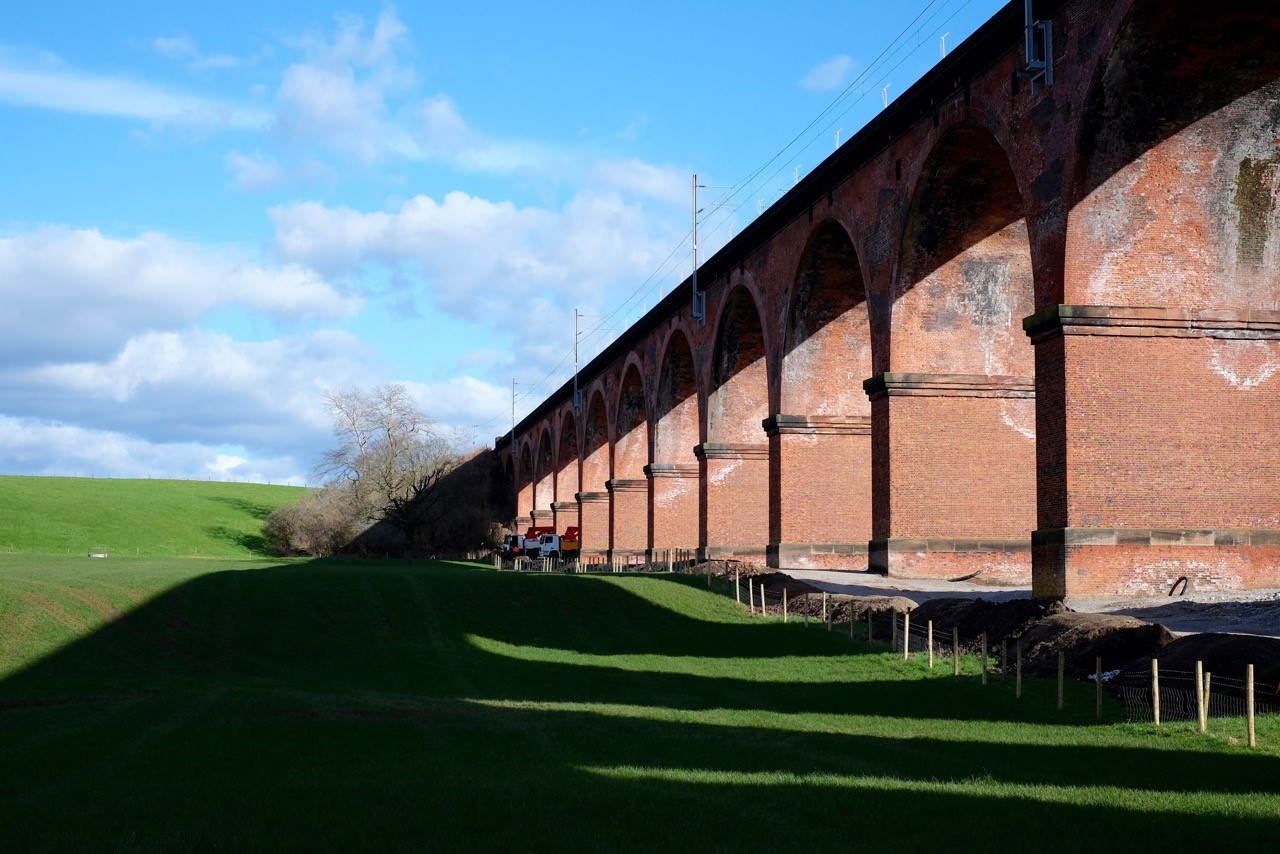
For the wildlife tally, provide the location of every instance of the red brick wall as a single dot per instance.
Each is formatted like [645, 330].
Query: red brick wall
[738, 504]
[675, 512]
[595, 525]
[961, 467]
[1172, 432]
[630, 524]
[824, 486]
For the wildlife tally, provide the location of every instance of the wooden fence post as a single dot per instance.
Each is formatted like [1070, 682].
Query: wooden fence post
[1062, 673]
[929, 641]
[1155, 690]
[1200, 717]
[1097, 677]
[983, 638]
[906, 635]
[1207, 677]
[824, 606]
[784, 604]
[955, 651]
[1017, 690]
[737, 586]
[751, 595]
[1248, 704]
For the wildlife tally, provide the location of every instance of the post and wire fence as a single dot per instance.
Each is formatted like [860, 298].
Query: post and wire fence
[1224, 702]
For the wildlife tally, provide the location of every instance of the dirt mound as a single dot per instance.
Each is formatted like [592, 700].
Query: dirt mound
[1083, 637]
[884, 609]
[1000, 620]
[1223, 655]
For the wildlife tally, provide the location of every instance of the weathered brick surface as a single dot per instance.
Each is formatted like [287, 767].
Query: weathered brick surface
[629, 502]
[675, 509]
[737, 502]
[1144, 180]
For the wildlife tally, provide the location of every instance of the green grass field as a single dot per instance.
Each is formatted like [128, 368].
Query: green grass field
[158, 705]
[147, 518]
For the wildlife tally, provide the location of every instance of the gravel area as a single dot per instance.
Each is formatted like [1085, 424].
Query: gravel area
[1245, 612]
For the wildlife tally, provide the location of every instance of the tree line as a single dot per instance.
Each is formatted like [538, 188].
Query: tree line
[393, 484]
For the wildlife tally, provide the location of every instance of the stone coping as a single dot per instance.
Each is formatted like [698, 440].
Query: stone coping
[590, 497]
[958, 545]
[732, 451]
[622, 485]
[1155, 537]
[948, 385]
[564, 505]
[671, 470]
[1151, 321]
[850, 425]
[818, 548]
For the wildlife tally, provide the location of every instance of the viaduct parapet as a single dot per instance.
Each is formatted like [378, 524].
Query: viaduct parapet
[1026, 330]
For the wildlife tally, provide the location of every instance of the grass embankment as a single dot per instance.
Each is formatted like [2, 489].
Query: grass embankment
[186, 705]
[149, 518]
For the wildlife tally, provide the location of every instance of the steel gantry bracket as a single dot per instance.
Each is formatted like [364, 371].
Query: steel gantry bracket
[1039, 37]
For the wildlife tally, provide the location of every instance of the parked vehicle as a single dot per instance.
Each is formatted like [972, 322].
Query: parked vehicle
[556, 546]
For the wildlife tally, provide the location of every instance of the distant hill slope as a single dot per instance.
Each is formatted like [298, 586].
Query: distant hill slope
[182, 518]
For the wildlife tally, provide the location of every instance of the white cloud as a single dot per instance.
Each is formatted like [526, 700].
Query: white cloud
[37, 447]
[75, 293]
[462, 401]
[45, 82]
[829, 75]
[201, 387]
[253, 171]
[667, 183]
[477, 257]
[183, 48]
[337, 95]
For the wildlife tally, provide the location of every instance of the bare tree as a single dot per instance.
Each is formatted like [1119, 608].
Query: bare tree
[391, 456]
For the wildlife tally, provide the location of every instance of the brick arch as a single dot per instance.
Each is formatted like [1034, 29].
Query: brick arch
[820, 440]
[596, 446]
[525, 481]
[674, 470]
[677, 401]
[735, 457]
[568, 475]
[593, 499]
[631, 425]
[964, 280]
[568, 455]
[826, 351]
[544, 471]
[955, 420]
[1174, 198]
[1163, 368]
[629, 491]
[738, 398]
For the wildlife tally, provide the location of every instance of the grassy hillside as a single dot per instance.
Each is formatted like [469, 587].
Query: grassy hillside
[173, 518]
[182, 705]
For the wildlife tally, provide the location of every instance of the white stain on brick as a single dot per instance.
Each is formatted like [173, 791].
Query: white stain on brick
[722, 473]
[1020, 416]
[1245, 364]
[1157, 577]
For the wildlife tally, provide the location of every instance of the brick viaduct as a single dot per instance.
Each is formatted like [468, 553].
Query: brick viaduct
[1028, 330]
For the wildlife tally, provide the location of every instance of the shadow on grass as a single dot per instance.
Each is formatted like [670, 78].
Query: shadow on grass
[356, 694]
[255, 509]
[254, 544]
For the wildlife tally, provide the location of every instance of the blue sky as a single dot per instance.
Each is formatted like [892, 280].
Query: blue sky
[211, 213]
